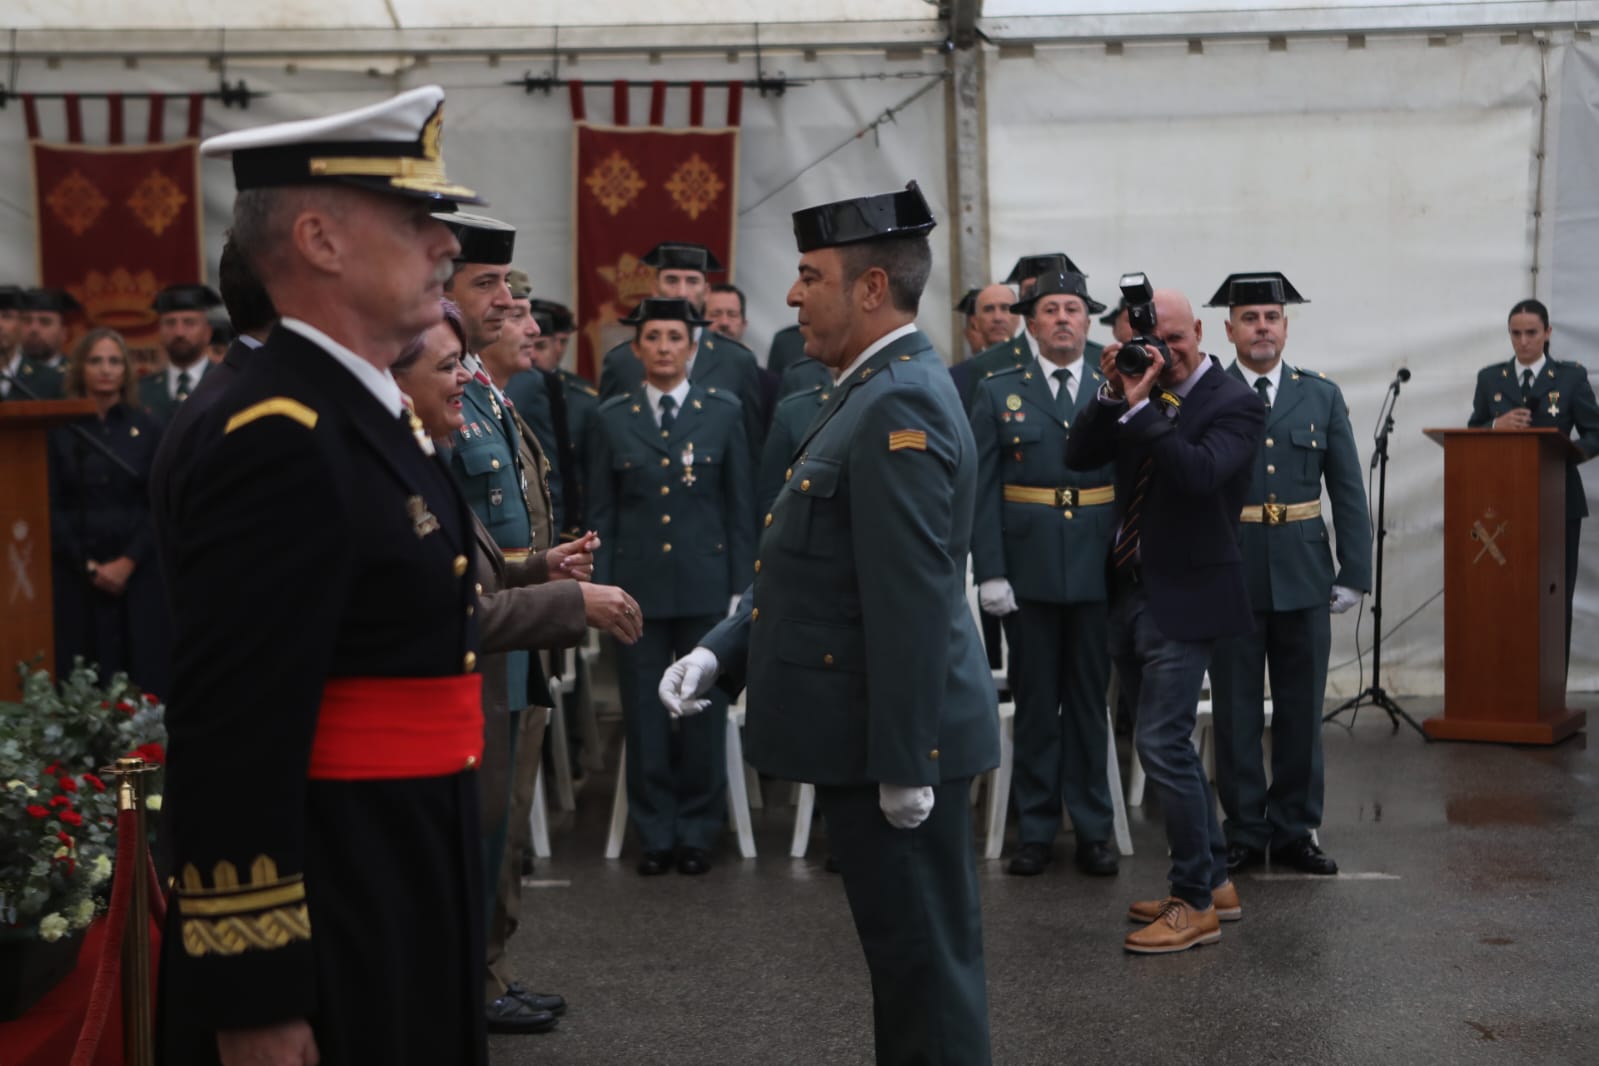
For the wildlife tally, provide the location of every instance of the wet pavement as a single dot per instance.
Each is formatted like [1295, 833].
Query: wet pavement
[1455, 934]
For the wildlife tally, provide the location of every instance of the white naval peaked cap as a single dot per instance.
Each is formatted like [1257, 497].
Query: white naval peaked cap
[390, 147]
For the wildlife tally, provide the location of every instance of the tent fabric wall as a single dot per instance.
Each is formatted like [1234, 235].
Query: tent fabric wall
[1394, 184]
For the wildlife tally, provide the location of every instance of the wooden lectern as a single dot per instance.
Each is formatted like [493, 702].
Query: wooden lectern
[27, 623]
[1504, 587]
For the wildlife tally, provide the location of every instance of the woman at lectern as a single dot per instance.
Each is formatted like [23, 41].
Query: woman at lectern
[109, 606]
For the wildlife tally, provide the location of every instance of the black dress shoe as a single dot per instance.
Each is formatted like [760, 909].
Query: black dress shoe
[692, 861]
[509, 1014]
[537, 1000]
[1094, 858]
[1304, 856]
[655, 863]
[1030, 860]
[1241, 857]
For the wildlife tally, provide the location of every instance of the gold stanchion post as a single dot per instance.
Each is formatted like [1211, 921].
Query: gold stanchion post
[138, 1046]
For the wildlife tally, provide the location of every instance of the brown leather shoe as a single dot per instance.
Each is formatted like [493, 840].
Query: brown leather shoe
[1178, 928]
[1224, 898]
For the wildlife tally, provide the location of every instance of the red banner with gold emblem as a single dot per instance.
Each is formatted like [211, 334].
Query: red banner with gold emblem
[116, 224]
[634, 188]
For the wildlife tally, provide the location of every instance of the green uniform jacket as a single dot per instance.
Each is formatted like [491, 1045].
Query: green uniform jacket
[155, 398]
[788, 348]
[675, 512]
[1308, 440]
[793, 416]
[1561, 397]
[859, 650]
[719, 361]
[1049, 553]
[802, 375]
[529, 392]
[1017, 352]
[39, 379]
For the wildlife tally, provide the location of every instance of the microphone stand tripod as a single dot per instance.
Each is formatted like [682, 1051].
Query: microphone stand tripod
[1374, 692]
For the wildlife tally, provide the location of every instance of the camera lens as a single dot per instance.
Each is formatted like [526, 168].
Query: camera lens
[1133, 360]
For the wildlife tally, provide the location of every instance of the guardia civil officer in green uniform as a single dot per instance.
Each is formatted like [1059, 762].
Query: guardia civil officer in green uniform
[860, 654]
[792, 417]
[717, 360]
[45, 313]
[1021, 349]
[1533, 390]
[788, 348]
[573, 400]
[184, 325]
[671, 495]
[1038, 557]
[1293, 587]
[36, 379]
[325, 722]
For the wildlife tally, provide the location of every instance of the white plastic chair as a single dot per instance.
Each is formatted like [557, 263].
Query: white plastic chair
[562, 690]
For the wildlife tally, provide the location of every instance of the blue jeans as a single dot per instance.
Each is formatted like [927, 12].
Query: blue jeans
[1162, 678]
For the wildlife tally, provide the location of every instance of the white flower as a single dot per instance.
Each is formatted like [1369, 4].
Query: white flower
[16, 783]
[52, 927]
[152, 802]
[83, 913]
[63, 851]
[99, 870]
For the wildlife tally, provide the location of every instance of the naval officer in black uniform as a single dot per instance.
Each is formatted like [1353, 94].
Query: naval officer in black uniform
[325, 721]
[864, 669]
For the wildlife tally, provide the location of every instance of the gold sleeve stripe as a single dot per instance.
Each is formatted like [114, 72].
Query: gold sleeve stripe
[234, 936]
[278, 405]
[907, 438]
[242, 902]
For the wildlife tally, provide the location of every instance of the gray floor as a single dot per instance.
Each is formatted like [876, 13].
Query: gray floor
[1459, 932]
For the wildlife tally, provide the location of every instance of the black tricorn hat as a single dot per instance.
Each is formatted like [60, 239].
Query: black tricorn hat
[60, 301]
[968, 303]
[560, 315]
[185, 298]
[11, 297]
[1070, 283]
[1254, 288]
[663, 309]
[865, 218]
[681, 255]
[1032, 266]
[483, 240]
[1109, 317]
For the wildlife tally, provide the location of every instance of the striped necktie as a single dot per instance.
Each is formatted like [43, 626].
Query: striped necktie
[1126, 550]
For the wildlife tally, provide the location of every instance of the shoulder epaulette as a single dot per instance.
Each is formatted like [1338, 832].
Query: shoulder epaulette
[277, 406]
[724, 396]
[1313, 375]
[582, 386]
[616, 401]
[810, 393]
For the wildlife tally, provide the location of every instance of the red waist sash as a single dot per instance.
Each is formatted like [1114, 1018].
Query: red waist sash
[395, 727]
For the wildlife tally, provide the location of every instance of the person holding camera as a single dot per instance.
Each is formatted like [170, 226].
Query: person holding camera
[1038, 558]
[1181, 433]
[1292, 587]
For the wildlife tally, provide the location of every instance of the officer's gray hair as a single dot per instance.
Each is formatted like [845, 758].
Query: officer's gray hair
[906, 260]
[263, 220]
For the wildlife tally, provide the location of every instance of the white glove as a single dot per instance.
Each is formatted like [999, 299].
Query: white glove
[687, 681]
[1343, 599]
[996, 597]
[905, 808]
[732, 607]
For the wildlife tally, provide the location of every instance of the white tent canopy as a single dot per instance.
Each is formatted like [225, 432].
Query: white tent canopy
[1415, 168]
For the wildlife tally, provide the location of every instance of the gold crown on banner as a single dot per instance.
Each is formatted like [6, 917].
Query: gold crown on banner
[119, 300]
[632, 279]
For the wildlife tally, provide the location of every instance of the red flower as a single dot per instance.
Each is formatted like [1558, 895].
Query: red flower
[71, 864]
[105, 705]
[67, 784]
[125, 707]
[151, 700]
[62, 836]
[38, 811]
[53, 769]
[99, 785]
[60, 801]
[151, 752]
[72, 818]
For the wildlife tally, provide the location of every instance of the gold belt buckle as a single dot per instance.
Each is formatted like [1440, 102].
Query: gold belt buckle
[1065, 497]
[1276, 513]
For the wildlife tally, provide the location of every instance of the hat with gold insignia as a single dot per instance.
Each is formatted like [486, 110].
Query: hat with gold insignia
[185, 298]
[1254, 289]
[681, 255]
[889, 214]
[60, 301]
[1029, 267]
[483, 240]
[663, 309]
[1069, 283]
[389, 147]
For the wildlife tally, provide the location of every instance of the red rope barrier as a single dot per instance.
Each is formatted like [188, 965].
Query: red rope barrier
[108, 971]
[158, 896]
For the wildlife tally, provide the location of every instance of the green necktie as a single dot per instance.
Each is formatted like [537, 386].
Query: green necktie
[1063, 395]
[185, 382]
[1263, 386]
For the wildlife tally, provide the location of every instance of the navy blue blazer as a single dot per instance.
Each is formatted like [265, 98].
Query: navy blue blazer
[1188, 546]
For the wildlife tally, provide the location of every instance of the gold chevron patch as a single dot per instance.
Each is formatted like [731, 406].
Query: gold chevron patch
[915, 439]
[278, 405]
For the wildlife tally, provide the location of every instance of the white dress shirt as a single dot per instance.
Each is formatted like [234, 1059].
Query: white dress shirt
[678, 395]
[873, 348]
[380, 383]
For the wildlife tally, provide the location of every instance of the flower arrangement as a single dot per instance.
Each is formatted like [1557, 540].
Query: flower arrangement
[57, 815]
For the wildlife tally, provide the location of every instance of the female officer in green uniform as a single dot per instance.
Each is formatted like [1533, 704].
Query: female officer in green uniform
[671, 495]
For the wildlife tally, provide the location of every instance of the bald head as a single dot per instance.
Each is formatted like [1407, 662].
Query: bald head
[991, 317]
[1176, 325]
